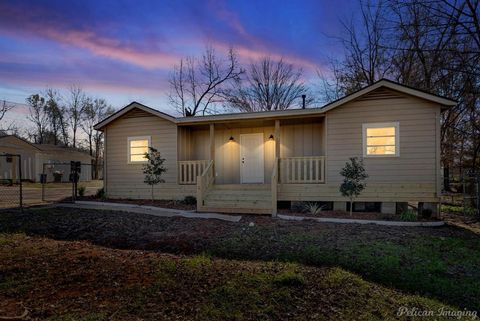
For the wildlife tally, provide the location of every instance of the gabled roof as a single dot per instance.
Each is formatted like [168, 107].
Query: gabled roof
[51, 148]
[129, 107]
[43, 148]
[442, 101]
[20, 140]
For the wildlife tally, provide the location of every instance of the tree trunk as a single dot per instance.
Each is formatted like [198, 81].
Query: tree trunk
[351, 207]
[152, 194]
[446, 179]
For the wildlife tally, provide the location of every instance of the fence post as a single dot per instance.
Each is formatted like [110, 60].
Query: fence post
[20, 181]
[478, 195]
[43, 180]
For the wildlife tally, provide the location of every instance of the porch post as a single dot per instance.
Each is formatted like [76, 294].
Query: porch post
[212, 142]
[275, 168]
[277, 138]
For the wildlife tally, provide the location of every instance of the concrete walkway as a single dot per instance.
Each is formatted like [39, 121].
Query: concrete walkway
[357, 221]
[149, 210]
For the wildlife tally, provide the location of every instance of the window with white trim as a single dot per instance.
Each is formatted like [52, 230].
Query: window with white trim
[381, 139]
[137, 147]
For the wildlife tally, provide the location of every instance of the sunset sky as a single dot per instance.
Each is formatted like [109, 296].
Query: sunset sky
[124, 50]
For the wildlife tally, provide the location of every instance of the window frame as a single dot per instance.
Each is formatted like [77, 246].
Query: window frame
[396, 125]
[134, 138]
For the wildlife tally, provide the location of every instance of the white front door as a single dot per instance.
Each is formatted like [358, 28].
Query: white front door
[251, 158]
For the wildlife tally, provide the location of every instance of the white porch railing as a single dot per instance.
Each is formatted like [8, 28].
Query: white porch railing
[189, 170]
[302, 170]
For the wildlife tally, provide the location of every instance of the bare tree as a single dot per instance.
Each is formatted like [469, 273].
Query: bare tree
[197, 83]
[438, 50]
[11, 128]
[4, 108]
[366, 59]
[329, 88]
[38, 116]
[268, 85]
[76, 107]
[95, 110]
[58, 126]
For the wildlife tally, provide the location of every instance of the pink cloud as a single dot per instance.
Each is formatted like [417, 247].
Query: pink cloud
[60, 31]
[113, 49]
[247, 54]
[229, 17]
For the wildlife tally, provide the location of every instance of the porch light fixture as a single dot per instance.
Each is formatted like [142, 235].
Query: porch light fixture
[271, 137]
[231, 139]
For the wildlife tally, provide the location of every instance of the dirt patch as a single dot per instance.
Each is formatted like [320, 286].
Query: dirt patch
[443, 261]
[43, 279]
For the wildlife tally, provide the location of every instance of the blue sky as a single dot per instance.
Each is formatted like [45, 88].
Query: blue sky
[124, 50]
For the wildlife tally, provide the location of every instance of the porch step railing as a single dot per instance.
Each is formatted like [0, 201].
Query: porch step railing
[204, 181]
[302, 170]
[188, 171]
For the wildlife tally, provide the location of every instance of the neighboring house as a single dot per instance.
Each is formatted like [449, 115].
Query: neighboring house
[39, 158]
[247, 162]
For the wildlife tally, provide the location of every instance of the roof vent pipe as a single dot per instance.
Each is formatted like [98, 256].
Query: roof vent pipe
[303, 101]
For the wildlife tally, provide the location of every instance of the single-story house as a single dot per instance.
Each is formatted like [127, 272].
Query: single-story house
[248, 162]
[40, 158]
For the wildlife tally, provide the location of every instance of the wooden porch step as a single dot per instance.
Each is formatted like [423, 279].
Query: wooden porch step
[260, 193]
[237, 204]
[238, 187]
[238, 198]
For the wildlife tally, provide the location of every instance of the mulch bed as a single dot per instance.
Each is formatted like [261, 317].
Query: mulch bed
[184, 235]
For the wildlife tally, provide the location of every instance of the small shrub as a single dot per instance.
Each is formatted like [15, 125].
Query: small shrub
[409, 215]
[313, 208]
[81, 191]
[190, 200]
[101, 194]
[353, 184]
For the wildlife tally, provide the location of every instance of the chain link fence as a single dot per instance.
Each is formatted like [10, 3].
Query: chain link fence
[17, 191]
[461, 189]
[471, 193]
[11, 191]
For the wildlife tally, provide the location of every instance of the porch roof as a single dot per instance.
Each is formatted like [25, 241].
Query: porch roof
[290, 113]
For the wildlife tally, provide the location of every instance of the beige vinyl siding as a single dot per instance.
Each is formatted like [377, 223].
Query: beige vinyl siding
[302, 139]
[413, 176]
[126, 180]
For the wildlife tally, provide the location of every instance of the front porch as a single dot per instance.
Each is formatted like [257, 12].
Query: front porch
[237, 167]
